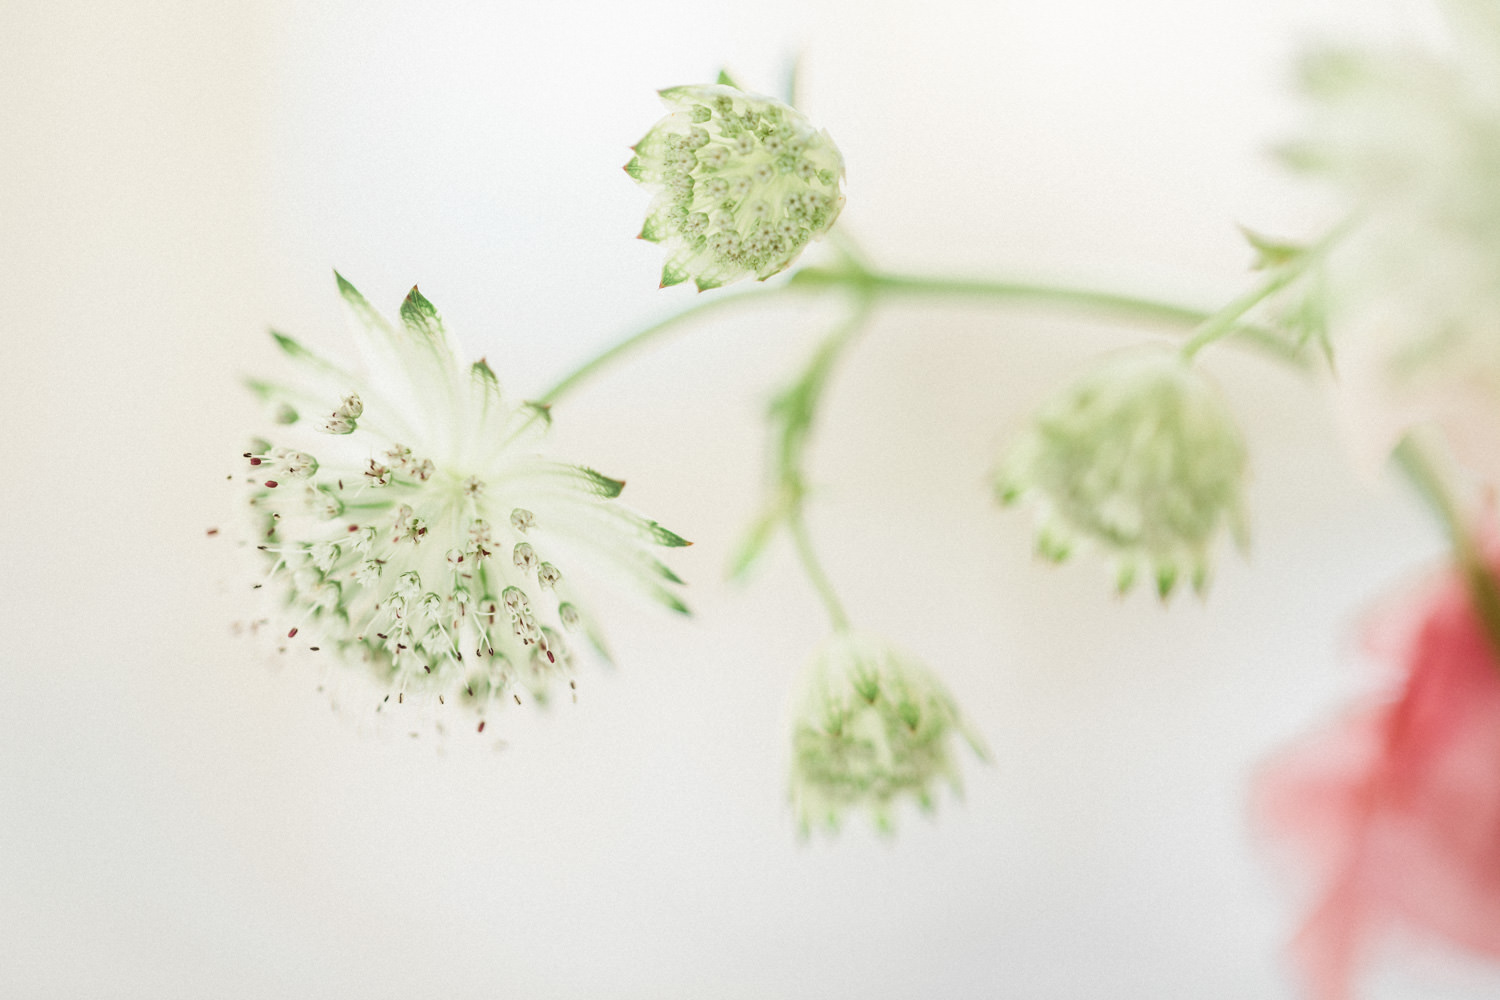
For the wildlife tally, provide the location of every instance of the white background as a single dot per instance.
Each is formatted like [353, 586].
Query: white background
[182, 815]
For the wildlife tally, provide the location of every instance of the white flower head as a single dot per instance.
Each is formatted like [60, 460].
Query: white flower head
[409, 521]
[743, 183]
[1412, 137]
[873, 727]
[1139, 456]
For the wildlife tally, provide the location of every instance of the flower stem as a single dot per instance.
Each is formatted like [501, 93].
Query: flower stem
[876, 283]
[641, 338]
[852, 276]
[797, 526]
[1416, 462]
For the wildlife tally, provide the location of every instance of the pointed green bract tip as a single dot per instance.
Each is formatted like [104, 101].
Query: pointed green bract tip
[1166, 580]
[634, 168]
[724, 80]
[287, 344]
[419, 315]
[669, 277]
[600, 484]
[669, 539]
[347, 290]
[481, 369]
[704, 284]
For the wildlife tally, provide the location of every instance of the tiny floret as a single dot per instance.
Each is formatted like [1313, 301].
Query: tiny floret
[400, 545]
[873, 727]
[743, 183]
[1141, 457]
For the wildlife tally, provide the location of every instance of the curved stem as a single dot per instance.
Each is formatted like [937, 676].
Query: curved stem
[1224, 322]
[814, 569]
[1130, 308]
[1418, 465]
[1123, 306]
[870, 284]
[640, 338]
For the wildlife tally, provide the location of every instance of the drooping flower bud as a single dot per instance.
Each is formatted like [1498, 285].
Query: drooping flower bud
[743, 183]
[1141, 457]
[873, 727]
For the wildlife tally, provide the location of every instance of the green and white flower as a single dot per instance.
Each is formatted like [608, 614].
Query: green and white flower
[1411, 137]
[873, 727]
[743, 183]
[409, 522]
[1139, 456]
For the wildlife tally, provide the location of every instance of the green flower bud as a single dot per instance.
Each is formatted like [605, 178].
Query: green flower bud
[1140, 456]
[873, 726]
[743, 183]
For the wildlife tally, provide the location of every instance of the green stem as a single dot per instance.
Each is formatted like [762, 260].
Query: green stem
[1417, 464]
[1226, 320]
[814, 570]
[877, 283]
[641, 338]
[874, 284]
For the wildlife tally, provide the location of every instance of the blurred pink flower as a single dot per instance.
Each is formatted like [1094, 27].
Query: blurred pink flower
[1397, 808]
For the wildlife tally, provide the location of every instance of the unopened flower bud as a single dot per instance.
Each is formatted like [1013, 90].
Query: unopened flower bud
[743, 183]
[873, 727]
[1141, 457]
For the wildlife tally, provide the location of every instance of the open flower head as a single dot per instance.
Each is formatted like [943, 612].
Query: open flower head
[1141, 457]
[742, 182]
[1410, 135]
[873, 727]
[408, 520]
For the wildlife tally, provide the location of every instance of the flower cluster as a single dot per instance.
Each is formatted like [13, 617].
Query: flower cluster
[1139, 456]
[873, 726]
[1412, 137]
[409, 521]
[1396, 810]
[743, 183]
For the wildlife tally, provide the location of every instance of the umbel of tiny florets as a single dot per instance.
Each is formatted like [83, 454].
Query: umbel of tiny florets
[743, 183]
[873, 727]
[408, 521]
[1411, 135]
[1139, 456]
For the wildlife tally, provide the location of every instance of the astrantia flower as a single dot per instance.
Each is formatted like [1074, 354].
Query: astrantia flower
[410, 523]
[1139, 456]
[873, 726]
[1397, 808]
[743, 183]
[1412, 138]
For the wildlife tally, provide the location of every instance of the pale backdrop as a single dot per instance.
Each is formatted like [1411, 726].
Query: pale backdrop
[183, 816]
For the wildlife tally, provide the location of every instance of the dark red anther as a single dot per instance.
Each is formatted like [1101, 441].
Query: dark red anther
[270, 484]
[550, 657]
[481, 726]
[353, 528]
[292, 633]
[213, 531]
[255, 461]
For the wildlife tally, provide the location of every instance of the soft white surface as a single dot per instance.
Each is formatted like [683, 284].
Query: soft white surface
[181, 816]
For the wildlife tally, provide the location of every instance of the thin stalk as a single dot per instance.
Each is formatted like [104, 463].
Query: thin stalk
[1418, 466]
[1226, 320]
[1085, 299]
[641, 338]
[814, 570]
[855, 278]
